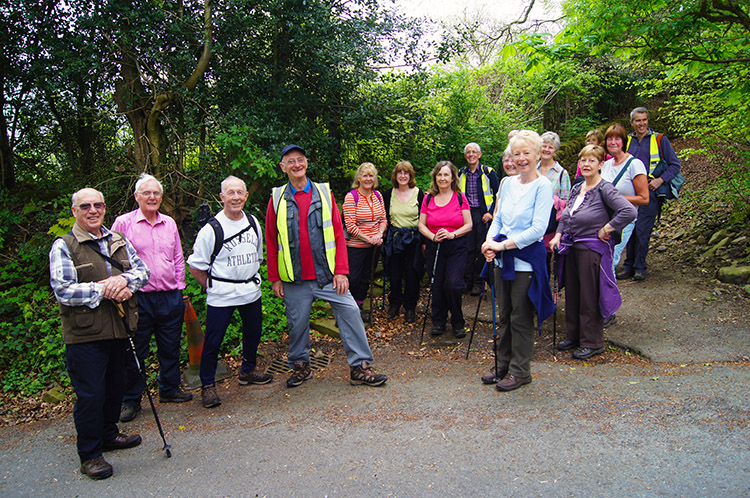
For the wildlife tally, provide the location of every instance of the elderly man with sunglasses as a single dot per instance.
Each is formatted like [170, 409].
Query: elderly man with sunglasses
[94, 274]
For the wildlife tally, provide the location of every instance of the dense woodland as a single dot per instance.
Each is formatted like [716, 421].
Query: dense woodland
[95, 92]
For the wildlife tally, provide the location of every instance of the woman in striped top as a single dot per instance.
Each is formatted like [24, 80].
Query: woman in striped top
[364, 216]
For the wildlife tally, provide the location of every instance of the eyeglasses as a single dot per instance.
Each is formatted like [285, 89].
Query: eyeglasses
[87, 205]
[148, 193]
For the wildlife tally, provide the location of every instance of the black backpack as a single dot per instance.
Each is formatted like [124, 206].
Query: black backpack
[219, 236]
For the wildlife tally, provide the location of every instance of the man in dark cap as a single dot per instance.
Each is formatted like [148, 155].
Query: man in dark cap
[308, 260]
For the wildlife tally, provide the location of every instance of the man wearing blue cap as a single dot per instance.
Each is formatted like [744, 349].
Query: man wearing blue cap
[308, 261]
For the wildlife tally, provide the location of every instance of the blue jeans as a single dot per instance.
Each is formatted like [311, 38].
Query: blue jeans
[217, 321]
[96, 370]
[298, 300]
[626, 233]
[159, 314]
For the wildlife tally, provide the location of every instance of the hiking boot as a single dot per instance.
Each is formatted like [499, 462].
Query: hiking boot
[179, 396]
[254, 378]
[639, 276]
[411, 316]
[511, 382]
[128, 413]
[566, 345]
[437, 330]
[610, 320]
[459, 332]
[585, 353]
[301, 373]
[365, 315]
[96, 468]
[476, 290]
[122, 441]
[492, 377]
[392, 312]
[625, 274]
[364, 374]
[210, 398]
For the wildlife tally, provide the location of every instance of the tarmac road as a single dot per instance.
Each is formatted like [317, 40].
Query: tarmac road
[432, 430]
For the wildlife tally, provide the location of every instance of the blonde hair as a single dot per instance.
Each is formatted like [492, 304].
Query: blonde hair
[365, 168]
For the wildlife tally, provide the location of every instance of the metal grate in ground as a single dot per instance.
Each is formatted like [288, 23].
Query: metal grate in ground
[316, 363]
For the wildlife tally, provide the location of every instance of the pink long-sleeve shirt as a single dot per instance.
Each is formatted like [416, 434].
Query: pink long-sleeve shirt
[158, 245]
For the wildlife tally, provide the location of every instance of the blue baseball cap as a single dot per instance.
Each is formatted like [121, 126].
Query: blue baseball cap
[286, 150]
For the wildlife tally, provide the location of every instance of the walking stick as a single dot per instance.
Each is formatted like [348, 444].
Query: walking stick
[167, 448]
[476, 316]
[429, 295]
[385, 278]
[494, 323]
[375, 254]
[554, 300]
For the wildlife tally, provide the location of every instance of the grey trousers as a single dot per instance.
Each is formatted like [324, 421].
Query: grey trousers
[515, 323]
[298, 300]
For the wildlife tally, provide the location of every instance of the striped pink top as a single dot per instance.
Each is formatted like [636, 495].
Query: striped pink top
[367, 217]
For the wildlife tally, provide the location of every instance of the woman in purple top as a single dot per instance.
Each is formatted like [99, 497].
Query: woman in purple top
[444, 218]
[584, 238]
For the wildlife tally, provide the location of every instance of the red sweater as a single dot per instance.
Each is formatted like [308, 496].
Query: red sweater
[308, 267]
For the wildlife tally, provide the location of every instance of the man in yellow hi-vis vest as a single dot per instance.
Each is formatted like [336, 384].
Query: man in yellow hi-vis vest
[307, 260]
[652, 149]
[480, 184]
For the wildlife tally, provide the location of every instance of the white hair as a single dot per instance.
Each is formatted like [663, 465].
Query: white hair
[551, 137]
[76, 194]
[472, 145]
[230, 179]
[145, 177]
[526, 136]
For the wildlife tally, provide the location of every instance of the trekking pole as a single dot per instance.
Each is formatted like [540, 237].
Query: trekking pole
[474, 325]
[494, 322]
[167, 448]
[554, 300]
[375, 254]
[385, 278]
[429, 294]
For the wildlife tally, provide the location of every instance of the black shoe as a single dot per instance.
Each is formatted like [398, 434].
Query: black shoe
[411, 316]
[566, 345]
[392, 312]
[584, 353]
[128, 413]
[364, 374]
[254, 377]
[96, 468]
[301, 373]
[494, 378]
[476, 290]
[437, 330]
[625, 274]
[639, 276]
[210, 397]
[511, 382]
[122, 441]
[179, 396]
[365, 315]
[610, 320]
[459, 332]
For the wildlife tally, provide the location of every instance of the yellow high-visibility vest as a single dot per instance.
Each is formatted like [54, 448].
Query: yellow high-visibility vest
[486, 187]
[286, 268]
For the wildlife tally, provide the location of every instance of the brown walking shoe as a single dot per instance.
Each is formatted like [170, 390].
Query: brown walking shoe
[254, 377]
[364, 374]
[96, 468]
[122, 441]
[511, 382]
[492, 377]
[301, 373]
[210, 397]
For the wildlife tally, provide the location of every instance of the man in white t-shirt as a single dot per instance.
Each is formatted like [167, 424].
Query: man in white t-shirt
[229, 273]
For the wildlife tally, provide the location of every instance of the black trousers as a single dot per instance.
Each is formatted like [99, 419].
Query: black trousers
[474, 240]
[97, 372]
[448, 283]
[402, 274]
[584, 321]
[360, 266]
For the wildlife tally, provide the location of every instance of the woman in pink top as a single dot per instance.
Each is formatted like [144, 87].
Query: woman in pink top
[445, 217]
[364, 216]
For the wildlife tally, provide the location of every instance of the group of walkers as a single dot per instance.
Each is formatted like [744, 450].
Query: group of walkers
[467, 229]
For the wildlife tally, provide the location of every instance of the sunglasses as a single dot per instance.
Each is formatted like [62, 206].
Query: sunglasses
[87, 205]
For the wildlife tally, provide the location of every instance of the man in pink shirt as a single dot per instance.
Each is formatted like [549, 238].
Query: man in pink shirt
[160, 306]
